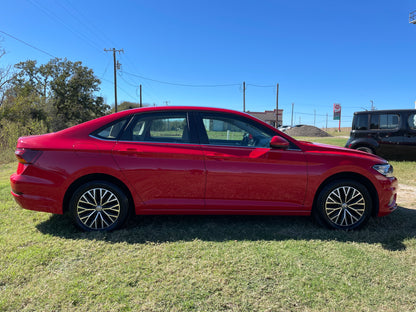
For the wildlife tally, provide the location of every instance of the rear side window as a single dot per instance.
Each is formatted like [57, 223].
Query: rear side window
[170, 129]
[360, 122]
[111, 131]
[164, 128]
[384, 121]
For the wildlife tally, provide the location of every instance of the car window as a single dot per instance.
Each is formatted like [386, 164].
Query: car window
[166, 129]
[111, 131]
[360, 122]
[234, 132]
[412, 121]
[157, 128]
[384, 121]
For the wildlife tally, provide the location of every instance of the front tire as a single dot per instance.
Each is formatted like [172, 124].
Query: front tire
[99, 206]
[343, 204]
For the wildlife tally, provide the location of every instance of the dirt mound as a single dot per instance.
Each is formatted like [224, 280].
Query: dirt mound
[308, 131]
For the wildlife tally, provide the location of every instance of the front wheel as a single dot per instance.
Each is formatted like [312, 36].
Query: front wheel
[343, 204]
[99, 206]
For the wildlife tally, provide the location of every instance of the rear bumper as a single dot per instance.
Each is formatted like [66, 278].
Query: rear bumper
[35, 194]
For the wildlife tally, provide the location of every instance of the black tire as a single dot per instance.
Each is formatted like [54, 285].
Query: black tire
[99, 206]
[343, 204]
[365, 149]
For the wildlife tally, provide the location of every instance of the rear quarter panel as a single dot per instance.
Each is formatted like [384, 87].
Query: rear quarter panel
[59, 167]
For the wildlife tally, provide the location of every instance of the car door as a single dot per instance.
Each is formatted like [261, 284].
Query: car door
[244, 173]
[163, 161]
[388, 133]
[409, 143]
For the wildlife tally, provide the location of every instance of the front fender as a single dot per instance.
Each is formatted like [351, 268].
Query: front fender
[370, 142]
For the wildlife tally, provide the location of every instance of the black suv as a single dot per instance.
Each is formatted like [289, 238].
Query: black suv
[387, 133]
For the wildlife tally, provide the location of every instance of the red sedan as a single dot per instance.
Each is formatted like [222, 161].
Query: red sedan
[193, 160]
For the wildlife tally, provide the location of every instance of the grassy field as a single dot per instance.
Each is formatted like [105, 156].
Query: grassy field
[338, 141]
[206, 263]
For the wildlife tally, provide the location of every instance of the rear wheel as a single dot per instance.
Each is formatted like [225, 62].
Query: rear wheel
[343, 204]
[365, 149]
[99, 206]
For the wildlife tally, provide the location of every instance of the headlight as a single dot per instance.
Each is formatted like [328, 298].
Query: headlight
[385, 169]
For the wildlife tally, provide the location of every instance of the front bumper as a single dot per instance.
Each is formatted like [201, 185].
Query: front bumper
[388, 196]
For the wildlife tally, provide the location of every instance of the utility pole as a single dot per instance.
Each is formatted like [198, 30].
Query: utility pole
[326, 127]
[141, 103]
[293, 104]
[116, 66]
[244, 96]
[277, 105]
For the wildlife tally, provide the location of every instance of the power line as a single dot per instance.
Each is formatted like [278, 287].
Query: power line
[184, 84]
[261, 86]
[151, 92]
[87, 21]
[28, 44]
[118, 87]
[130, 84]
[81, 19]
[54, 17]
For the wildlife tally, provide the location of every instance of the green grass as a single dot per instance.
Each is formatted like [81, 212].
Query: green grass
[337, 141]
[405, 172]
[205, 263]
[6, 156]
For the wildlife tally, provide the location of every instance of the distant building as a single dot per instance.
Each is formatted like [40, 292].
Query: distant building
[269, 117]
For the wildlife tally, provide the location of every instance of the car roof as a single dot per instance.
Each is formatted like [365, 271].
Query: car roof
[385, 111]
[89, 126]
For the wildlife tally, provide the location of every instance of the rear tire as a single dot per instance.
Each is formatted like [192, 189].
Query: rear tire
[365, 149]
[343, 204]
[99, 206]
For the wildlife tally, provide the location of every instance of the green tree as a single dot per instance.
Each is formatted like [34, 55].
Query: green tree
[4, 78]
[127, 105]
[73, 87]
[66, 89]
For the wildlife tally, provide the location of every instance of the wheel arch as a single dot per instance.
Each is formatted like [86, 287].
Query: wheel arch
[356, 177]
[96, 177]
[370, 143]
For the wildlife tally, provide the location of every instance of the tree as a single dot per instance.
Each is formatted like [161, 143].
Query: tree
[126, 105]
[4, 78]
[67, 91]
[73, 87]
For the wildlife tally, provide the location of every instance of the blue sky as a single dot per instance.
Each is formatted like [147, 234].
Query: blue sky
[320, 52]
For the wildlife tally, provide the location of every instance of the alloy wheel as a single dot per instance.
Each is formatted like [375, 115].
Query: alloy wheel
[345, 206]
[98, 208]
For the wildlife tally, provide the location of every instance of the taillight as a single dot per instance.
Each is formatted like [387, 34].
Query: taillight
[27, 156]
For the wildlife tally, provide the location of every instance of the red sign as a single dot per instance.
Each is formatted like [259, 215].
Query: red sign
[337, 111]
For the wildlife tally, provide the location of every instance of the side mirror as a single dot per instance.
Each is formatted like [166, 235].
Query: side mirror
[279, 142]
